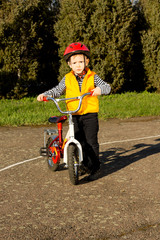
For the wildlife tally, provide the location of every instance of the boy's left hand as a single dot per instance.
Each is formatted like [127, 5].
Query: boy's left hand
[96, 91]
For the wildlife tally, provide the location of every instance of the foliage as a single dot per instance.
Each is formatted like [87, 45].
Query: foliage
[114, 46]
[107, 28]
[28, 48]
[123, 39]
[71, 26]
[151, 42]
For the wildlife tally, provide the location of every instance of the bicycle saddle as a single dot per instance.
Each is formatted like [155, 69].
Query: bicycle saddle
[57, 119]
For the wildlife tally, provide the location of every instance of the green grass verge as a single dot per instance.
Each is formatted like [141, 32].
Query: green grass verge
[129, 105]
[28, 111]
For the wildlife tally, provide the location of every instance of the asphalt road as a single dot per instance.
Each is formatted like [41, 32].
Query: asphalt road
[124, 203]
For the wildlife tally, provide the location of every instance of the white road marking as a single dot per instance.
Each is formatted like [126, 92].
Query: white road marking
[19, 163]
[120, 141]
[129, 140]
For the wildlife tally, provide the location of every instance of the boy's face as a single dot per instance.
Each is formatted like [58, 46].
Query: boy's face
[78, 63]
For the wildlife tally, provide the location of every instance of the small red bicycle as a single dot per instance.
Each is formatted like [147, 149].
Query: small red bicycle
[69, 149]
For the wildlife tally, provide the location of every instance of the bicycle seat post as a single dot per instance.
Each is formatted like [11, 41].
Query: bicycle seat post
[59, 126]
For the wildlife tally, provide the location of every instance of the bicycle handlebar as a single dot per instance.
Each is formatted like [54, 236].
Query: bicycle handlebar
[56, 101]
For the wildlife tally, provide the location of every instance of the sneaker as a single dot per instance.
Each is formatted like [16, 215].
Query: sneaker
[83, 170]
[94, 175]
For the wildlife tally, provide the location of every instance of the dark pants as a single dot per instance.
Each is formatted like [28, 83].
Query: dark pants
[86, 132]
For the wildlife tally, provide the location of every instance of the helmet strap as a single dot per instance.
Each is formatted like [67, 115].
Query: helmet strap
[84, 62]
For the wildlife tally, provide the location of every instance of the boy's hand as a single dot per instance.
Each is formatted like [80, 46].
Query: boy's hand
[96, 91]
[40, 97]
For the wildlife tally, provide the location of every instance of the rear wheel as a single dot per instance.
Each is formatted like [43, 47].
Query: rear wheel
[53, 155]
[73, 163]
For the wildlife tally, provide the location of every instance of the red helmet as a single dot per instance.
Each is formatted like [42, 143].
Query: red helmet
[76, 48]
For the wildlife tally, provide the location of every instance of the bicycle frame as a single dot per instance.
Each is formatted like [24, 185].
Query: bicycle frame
[71, 134]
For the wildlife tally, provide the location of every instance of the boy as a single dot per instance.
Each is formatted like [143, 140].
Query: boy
[79, 81]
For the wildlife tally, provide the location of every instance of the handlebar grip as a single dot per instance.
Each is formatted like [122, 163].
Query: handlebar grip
[91, 92]
[45, 99]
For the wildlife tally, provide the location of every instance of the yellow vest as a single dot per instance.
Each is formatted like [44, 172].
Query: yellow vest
[90, 104]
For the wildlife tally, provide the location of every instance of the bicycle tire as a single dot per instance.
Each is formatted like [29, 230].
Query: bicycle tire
[52, 165]
[73, 164]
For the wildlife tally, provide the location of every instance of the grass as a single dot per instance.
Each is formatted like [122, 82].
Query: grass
[129, 105]
[28, 111]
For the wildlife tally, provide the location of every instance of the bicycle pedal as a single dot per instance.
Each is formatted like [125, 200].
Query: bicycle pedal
[43, 151]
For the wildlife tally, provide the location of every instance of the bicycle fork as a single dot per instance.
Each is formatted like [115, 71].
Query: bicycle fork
[74, 141]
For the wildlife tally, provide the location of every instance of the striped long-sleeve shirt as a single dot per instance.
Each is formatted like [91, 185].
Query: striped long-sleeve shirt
[61, 87]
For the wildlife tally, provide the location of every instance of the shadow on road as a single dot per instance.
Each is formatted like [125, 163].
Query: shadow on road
[115, 159]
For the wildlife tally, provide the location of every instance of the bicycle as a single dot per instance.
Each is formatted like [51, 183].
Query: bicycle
[69, 149]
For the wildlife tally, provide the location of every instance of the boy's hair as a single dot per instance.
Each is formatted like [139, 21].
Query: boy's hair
[69, 59]
[76, 48]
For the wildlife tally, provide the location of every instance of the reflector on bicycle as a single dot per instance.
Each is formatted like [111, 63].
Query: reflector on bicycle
[55, 154]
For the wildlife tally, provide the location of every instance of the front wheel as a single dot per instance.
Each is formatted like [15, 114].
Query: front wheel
[73, 163]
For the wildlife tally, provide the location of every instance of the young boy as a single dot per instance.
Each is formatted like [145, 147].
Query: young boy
[79, 81]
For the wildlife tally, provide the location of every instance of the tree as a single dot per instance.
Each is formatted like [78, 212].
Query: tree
[151, 42]
[114, 23]
[71, 26]
[107, 28]
[27, 44]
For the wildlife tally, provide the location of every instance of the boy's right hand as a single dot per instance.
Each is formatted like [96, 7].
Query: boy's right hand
[40, 97]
